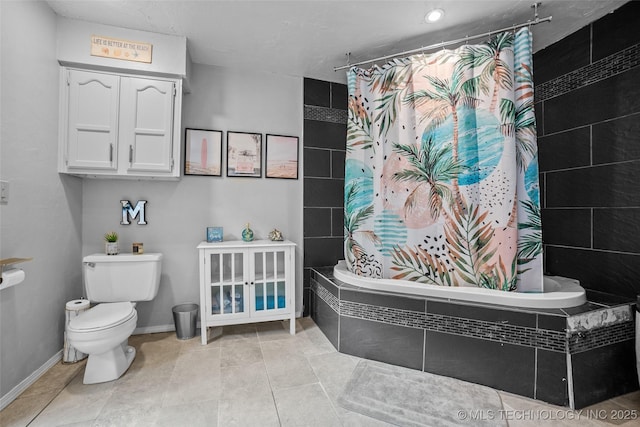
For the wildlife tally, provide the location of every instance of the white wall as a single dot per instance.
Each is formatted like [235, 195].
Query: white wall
[178, 212]
[43, 217]
[56, 219]
[168, 54]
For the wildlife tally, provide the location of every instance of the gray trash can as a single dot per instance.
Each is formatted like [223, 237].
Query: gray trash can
[184, 318]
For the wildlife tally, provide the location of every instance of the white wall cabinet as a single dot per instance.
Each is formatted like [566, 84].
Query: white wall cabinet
[121, 126]
[246, 282]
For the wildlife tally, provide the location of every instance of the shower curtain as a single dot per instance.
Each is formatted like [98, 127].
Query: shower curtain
[441, 174]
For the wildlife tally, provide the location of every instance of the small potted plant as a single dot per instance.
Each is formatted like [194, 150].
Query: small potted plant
[111, 243]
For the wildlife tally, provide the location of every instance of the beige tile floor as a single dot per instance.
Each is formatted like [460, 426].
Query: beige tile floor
[252, 375]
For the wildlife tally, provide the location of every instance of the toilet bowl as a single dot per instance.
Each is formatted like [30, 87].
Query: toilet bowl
[102, 332]
[116, 283]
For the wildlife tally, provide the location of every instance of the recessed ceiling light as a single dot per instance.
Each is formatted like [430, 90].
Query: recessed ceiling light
[433, 16]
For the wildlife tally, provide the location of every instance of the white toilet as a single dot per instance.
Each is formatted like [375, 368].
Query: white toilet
[102, 332]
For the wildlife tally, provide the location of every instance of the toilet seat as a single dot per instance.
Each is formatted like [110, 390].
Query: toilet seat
[102, 316]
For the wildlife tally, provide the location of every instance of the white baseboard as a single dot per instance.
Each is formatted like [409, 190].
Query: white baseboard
[154, 329]
[169, 328]
[24, 384]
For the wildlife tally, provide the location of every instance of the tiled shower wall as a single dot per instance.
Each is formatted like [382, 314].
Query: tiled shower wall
[325, 136]
[588, 112]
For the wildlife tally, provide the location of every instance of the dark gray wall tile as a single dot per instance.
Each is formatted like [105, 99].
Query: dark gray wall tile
[325, 282]
[384, 300]
[606, 99]
[339, 96]
[612, 229]
[613, 185]
[610, 300]
[306, 277]
[317, 222]
[601, 97]
[337, 164]
[569, 227]
[319, 192]
[393, 344]
[542, 179]
[503, 366]
[337, 222]
[539, 112]
[317, 163]
[326, 319]
[482, 313]
[565, 150]
[306, 302]
[551, 377]
[322, 251]
[562, 57]
[616, 31]
[325, 134]
[599, 270]
[603, 373]
[317, 92]
[617, 140]
[552, 323]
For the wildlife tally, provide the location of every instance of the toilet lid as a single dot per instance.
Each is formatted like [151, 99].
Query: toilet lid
[102, 316]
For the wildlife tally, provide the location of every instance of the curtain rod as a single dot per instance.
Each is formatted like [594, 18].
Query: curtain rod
[442, 44]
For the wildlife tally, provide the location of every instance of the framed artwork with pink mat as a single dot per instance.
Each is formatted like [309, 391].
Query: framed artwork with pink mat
[203, 152]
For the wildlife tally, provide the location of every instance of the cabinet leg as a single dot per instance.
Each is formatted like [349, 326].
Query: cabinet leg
[204, 335]
[292, 325]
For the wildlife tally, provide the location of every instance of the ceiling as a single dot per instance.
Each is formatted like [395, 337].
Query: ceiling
[310, 37]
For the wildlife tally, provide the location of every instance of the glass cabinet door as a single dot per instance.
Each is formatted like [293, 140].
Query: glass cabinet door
[227, 283]
[269, 290]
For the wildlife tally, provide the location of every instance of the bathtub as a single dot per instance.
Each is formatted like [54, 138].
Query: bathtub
[559, 292]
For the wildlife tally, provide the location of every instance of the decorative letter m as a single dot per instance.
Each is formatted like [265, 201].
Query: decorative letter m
[129, 212]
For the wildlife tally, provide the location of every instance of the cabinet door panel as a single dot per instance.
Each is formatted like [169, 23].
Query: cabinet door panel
[227, 277]
[148, 123]
[269, 290]
[93, 120]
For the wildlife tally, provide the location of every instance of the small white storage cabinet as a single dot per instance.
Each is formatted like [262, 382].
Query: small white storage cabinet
[246, 282]
[115, 125]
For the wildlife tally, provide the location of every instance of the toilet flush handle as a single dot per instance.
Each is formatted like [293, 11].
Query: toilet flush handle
[91, 264]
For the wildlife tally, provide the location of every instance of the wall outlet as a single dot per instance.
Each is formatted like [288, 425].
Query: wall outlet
[4, 192]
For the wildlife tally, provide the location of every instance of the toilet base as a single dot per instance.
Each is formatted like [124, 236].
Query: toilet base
[110, 365]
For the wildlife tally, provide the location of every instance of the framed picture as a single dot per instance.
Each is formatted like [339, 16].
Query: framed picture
[203, 152]
[244, 154]
[282, 157]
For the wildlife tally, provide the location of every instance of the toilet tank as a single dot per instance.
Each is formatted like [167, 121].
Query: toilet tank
[122, 277]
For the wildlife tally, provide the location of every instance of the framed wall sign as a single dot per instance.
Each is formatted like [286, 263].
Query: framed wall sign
[203, 152]
[282, 157]
[127, 50]
[214, 234]
[244, 154]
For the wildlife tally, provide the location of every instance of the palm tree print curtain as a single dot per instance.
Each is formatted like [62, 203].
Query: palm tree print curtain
[441, 179]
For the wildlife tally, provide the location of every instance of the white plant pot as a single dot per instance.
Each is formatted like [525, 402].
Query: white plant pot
[111, 248]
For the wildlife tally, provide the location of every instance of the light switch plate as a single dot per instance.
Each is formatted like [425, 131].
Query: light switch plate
[4, 192]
